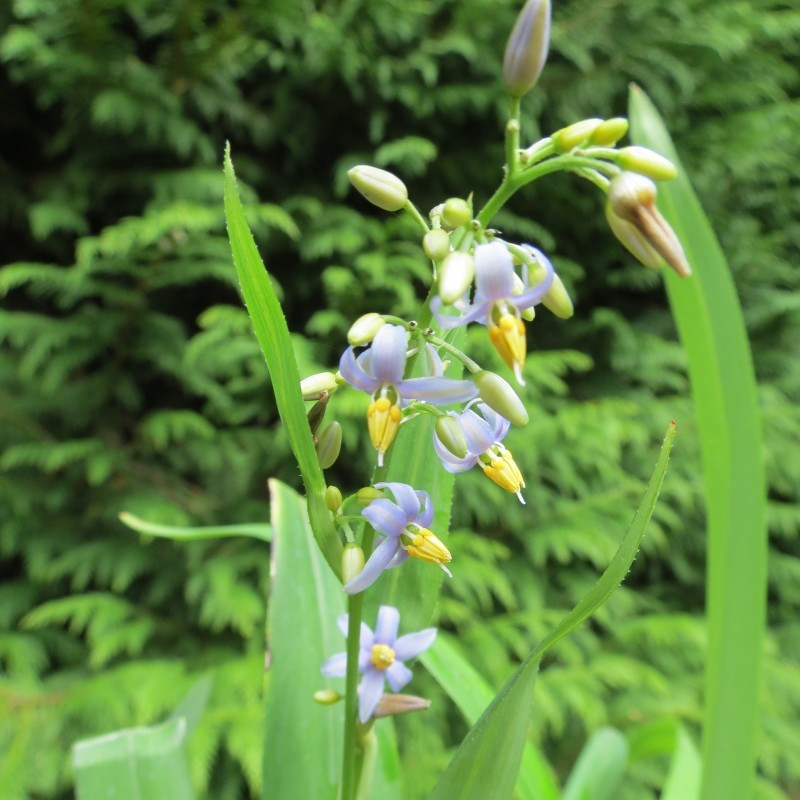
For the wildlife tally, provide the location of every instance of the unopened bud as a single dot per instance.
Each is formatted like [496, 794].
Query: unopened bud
[575, 135]
[436, 244]
[313, 386]
[455, 276]
[329, 443]
[317, 412]
[392, 704]
[381, 188]
[609, 132]
[451, 435]
[632, 240]
[369, 493]
[333, 498]
[352, 562]
[456, 212]
[497, 393]
[363, 330]
[526, 51]
[327, 697]
[646, 162]
[557, 299]
[632, 197]
[528, 314]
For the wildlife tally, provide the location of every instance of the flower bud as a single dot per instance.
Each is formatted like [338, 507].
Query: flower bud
[329, 443]
[632, 240]
[456, 212]
[451, 435]
[381, 188]
[363, 330]
[528, 314]
[557, 299]
[609, 132]
[366, 495]
[646, 162]
[327, 697]
[632, 197]
[352, 562]
[313, 386]
[527, 47]
[455, 276]
[316, 413]
[497, 393]
[436, 244]
[574, 135]
[392, 704]
[333, 498]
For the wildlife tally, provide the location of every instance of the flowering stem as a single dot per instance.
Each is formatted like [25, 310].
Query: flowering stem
[416, 216]
[471, 365]
[512, 135]
[355, 606]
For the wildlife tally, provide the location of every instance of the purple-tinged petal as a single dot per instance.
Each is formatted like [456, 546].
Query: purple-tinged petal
[450, 462]
[401, 556]
[437, 390]
[404, 496]
[389, 354]
[386, 625]
[434, 361]
[412, 644]
[472, 313]
[386, 517]
[364, 635]
[398, 675]
[534, 294]
[355, 374]
[335, 666]
[370, 692]
[494, 271]
[364, 659]
[426, 517]
[380, 557]
[498, 423]
[477, 431]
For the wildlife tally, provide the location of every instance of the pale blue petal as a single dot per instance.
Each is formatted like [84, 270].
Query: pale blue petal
[438, 390]
[365, 634]
[534, 294]
[412, 644]
[497, 423]
[477, 432]
[472, 313]
[434, 361]
[404, 496]
[386, 517]
[354, 373]
[426, 517]
[380, 557]
[335, 666]
[494, 271]
[398, 675]
[369, 693]
[450, 462]
[386, 625]
[400, 557]
[364, 659]
[389, 354]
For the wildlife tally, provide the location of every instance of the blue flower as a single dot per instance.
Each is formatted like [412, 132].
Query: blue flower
[403, 529]
[484, 433]
[380, 657]
[498, 304]
[379, 371]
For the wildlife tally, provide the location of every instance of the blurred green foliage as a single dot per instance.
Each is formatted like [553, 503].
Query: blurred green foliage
[130, 379]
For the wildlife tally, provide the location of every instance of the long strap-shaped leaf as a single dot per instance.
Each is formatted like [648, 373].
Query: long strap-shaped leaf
[712, 330]
[272, 333]
[487, 762]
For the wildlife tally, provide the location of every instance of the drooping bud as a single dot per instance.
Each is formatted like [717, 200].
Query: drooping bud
[632, 240]
[392, 704]
[313, 386]
[455, 276]
[498, 394]
[456, 212]
[381, 188]
[367, 494]
[327, 697]
[329, 443]
[526, 51]
[609, 132]
[646, 162]
[333, 498]
[557, 299]
[363, 330]
[575, 135]
[352, 562]
[528, 314]
[316, 413]
[632, 197]
[436, 244]
[451, 435]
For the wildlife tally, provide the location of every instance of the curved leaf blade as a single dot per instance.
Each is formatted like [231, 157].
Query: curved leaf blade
[599, 768]
[254, 530]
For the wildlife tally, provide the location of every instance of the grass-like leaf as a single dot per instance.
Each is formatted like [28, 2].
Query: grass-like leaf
[254, 530]
[599, 768]
[272, 333]
[711, 327]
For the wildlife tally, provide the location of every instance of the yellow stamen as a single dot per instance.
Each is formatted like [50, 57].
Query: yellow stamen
[503, 470]
[508, 338]
[426, 546]
[382, 656]
[383, 420]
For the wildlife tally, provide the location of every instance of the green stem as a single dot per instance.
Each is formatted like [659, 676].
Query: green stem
[472, 366]
[411, 209]
[370, 758]
[355, 607]
[512, 136]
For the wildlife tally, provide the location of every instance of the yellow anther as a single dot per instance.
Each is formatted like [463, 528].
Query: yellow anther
[508, 338]
[382, 404]
[503, 470]
[383, 420]
[426, 546]
[382, 656]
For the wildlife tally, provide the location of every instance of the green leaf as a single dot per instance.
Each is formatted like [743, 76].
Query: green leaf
[192, 706]
[685, 772]
[711, 327]
[302, 741]
[387, 783]
[254, 530]
[134, 764]
[599, 768]
[468, 689]
[487, 762]
[272, 333]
